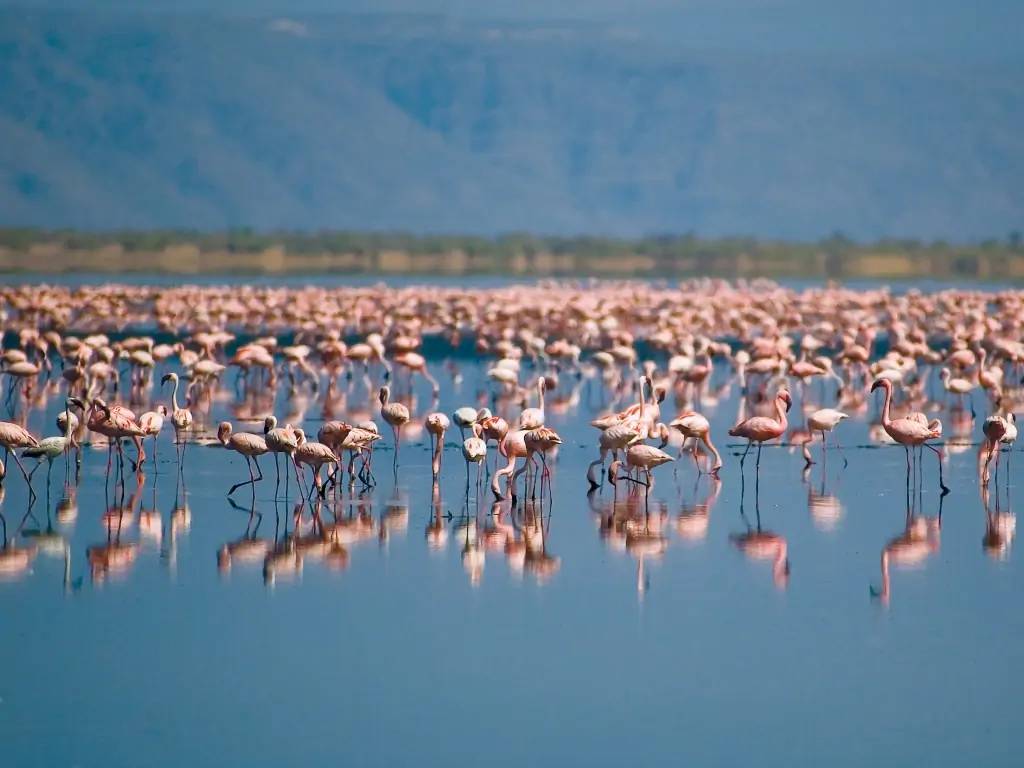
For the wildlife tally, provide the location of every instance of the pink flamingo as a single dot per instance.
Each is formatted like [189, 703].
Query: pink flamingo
[12, 437]
[116, 422]
[513, 447]
[315, 455]
[696, 426]
[152, 422]
[250, 446]
[911, 431]
[758, 429]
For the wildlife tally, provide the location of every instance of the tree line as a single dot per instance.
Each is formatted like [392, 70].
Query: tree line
[256, 251]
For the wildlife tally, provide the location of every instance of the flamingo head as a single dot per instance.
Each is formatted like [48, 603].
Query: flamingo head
[785, 397]
[613, 472]
[76, 402]
[224, 431]
[883, 383]
[269, 423]
[168, 377]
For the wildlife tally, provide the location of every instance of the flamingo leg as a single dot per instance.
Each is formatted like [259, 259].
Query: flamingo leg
[988, 461]
[842, 452]
[28, 480]
[140, 453]
[590, 469]
[398, 437]
[250, 481]
[744, 457]
[938, 456]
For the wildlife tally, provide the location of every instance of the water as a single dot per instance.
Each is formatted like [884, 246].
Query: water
[581, 655]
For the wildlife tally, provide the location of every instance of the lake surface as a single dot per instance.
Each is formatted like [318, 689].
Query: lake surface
[428, 641]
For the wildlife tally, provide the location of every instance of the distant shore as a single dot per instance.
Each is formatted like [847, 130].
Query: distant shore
[245, 252]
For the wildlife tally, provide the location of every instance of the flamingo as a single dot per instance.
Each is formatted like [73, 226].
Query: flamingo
[181, 418]
[645, 457]
[512, 447]
[541, 440]
[758, 429]
[437, 424]
[474, 449]
[533, 418]
[958, 386]
[464, 418]
[994, 428]
[50, 448]
[281, 440]
[825, 420]
[314, 455]
[248, 445]
[491, 427]
[615, 438]
[1008, 439]
[152, 422]
[66, 416]
[356, 441]
[395, 414]
[695, 426]
[115, 422]
[911, 431]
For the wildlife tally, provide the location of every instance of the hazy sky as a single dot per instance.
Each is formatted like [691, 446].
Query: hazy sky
[974, 27]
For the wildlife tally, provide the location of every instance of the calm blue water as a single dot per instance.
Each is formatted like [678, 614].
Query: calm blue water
[581, 655]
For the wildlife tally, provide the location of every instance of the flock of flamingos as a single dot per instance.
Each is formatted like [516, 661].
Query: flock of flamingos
[121, 365]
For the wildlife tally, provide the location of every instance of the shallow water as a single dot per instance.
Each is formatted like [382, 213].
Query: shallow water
[403, 649]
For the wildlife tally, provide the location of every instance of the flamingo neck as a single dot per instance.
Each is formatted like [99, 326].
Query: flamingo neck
[436, 461]
[174, 396]
[780, 410]
[886, 418]
[711, 447]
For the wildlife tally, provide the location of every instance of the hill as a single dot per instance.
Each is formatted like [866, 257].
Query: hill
[430, 125]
